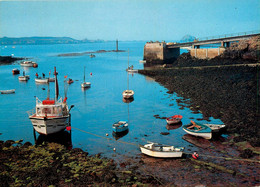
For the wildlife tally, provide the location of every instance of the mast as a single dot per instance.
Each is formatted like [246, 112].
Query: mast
[56, 85]
[127, 72]
[84, 73]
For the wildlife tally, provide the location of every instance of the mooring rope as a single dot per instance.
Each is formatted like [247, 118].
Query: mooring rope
[202, 155]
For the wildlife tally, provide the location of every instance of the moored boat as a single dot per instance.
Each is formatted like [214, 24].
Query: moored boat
[174, 119]
[131, 69]
[85, 84]
[7, 91]
[215, 127]
[51, 79]
[162, 151]
[70, 81]
[24, 78]
[42, 80]
[197, 129]
[50, 115]
[120, 126]
[16, 71]
[128, 94]
[29, 64]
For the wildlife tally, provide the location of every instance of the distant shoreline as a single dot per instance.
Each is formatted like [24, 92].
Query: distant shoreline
[90, 52]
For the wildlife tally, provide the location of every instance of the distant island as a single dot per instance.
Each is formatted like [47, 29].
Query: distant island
[43, 40]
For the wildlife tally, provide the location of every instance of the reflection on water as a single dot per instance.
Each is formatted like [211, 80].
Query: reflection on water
[63, 138]
[173, 126]
[128, 100]
[118, 135]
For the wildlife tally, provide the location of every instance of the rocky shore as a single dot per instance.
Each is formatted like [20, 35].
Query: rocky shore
[5, 60]
[225, 87]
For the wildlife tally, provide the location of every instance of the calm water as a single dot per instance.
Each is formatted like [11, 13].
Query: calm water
[97, 108]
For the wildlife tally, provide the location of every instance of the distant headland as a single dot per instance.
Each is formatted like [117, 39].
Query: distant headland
[43, 40]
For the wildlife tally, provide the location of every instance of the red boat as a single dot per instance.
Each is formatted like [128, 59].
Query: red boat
[16, 71]
[174, 119]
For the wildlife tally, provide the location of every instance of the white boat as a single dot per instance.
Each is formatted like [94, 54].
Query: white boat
[7, 91]
[50, 116]
[128, 94]
[42, 80]
[29, 64]
[131, 69]
[215, 127]
[142, 61]
[120, 126]
[197, 129]
[24, 78]
[161, 151]
[85, 84]
[51, 79]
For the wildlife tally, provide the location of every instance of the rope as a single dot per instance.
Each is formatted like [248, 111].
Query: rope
[227, 158]
[104, 137]
[209, 156]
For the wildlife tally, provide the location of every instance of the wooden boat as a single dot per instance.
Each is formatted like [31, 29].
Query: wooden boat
[7, 91]
[120, 126]
[42, 80]
[29, 64]
[16, 71]
[128, 94]
[50, 116]
[70, 81]
[215, 127]
[162, 151]
[174, 119]
[85, 84]
[142, 61]
[24, 78]
[197, 129]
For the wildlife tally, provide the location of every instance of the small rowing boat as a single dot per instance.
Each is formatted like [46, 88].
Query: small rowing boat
[120, 126]
[161, 151]
[197, 129]
[7, 91]
[174, 119]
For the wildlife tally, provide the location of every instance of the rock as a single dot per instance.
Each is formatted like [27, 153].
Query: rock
[164, 133]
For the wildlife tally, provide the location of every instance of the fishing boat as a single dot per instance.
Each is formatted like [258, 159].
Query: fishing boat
[40, 80]
[131, 69]
[24, 78]
[50, 115]
[120, 126]
[7, 91]
[16, 71]
[70, 81]
[174, 119]
[197, 129]
[29, 64]
[161, 151]
[215, 127]
[128, 94]
[85, 84]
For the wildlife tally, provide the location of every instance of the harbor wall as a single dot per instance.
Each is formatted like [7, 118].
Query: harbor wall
[206, 53]
[158, 53]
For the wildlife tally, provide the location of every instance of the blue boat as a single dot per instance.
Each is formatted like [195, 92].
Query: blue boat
[120, 126]
[197, 129]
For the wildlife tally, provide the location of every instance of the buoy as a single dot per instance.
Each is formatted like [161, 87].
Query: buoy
[195, 155]
[114, 149]
[68, 128]
[91, 73]
[106, 134]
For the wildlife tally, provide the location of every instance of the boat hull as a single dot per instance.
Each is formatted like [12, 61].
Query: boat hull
[128, 94]
[49, 125]
[86, 85]
[42, 81]
[161, 154]
[7, 91]
[206, 135]
[23, 78]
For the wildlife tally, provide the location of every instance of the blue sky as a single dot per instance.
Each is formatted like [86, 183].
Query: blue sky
[144, 20]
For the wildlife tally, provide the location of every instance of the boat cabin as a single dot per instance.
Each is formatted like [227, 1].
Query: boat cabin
[48, 108]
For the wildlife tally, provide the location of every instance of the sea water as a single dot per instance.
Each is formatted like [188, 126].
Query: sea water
[96, 108]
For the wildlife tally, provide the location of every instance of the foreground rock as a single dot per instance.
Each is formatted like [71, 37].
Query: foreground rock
[4, 60]
[52, 164]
